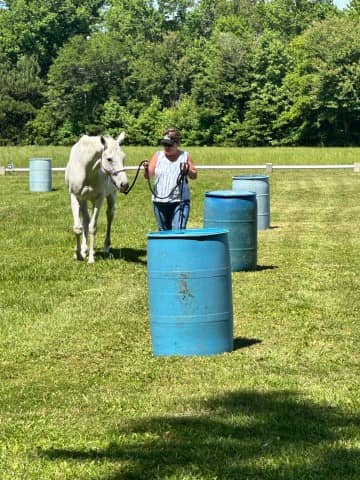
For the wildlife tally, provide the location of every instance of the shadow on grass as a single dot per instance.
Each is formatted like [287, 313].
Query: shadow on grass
[128, 254]
[243, 342]
[241, 435]
[260, 268]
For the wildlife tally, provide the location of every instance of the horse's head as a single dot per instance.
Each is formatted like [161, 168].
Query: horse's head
[113, 161]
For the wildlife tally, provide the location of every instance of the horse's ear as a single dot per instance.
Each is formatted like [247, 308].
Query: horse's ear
[121, 138]
[102, 140]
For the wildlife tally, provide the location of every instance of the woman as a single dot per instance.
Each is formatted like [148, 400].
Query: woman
[171, 194]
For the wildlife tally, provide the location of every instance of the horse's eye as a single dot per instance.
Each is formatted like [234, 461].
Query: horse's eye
[110, 160]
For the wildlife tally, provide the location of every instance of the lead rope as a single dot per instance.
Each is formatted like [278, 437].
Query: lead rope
[135, 178]
[179, 183]
[184, 179]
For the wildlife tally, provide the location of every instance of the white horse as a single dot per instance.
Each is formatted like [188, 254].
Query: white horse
[95, 171]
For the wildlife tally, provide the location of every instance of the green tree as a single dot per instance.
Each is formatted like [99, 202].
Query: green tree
[323, 87]
[290, 18]
[134, 22]
[354, 8]
[158, 67]
[266, 102]
[187, 117]
[116, 117]
[201, 20]
[20, 97]
[84, 76]
[160, 70]
[146, 128]
[223, 83]
[174, 13]
[140, 130]
[40, 27]
[234, 72]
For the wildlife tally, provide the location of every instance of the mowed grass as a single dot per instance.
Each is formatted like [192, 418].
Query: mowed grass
[82, 396]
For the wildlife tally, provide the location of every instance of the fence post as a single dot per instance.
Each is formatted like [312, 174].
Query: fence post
[2, 171]
[357, 167]
[269, 168]
[10, 168]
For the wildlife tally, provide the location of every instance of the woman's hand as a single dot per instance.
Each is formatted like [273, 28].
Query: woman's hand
[192, 173]
[146, 169]
[184, 168]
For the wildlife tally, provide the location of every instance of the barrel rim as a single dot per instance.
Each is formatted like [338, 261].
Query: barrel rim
[254, 176]
[40, 159]
[188, 233]
[230, 193]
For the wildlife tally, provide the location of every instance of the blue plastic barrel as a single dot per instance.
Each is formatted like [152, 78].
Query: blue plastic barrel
[40, 175]
[260, 185]
[190, 292]
[235, 211]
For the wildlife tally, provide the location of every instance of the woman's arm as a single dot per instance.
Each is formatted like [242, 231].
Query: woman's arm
[149, 167]
[192, 169]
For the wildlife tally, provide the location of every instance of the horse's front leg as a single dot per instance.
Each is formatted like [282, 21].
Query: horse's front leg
[85, 233]
[77, 227]
[110, 214]
[93, 228]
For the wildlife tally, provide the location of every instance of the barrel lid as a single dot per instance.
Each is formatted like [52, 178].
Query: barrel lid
[230, 193]
[37, 160]
[254, 176]
[188, 233]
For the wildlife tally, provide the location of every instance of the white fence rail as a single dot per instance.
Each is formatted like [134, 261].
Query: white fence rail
[268, 167]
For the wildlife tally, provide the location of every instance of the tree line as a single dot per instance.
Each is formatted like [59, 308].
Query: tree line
[226, 72]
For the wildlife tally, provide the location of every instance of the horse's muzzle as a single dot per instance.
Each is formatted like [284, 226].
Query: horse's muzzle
[121, 185]
[124, 187]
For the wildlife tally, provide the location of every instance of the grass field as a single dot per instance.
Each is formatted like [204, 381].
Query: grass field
[81, 395]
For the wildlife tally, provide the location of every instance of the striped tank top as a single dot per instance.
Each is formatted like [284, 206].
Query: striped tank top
[166, 176]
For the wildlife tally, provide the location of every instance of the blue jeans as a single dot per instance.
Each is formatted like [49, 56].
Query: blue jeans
[171, 216]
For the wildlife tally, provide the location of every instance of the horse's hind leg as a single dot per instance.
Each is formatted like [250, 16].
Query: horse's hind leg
[110, 213]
